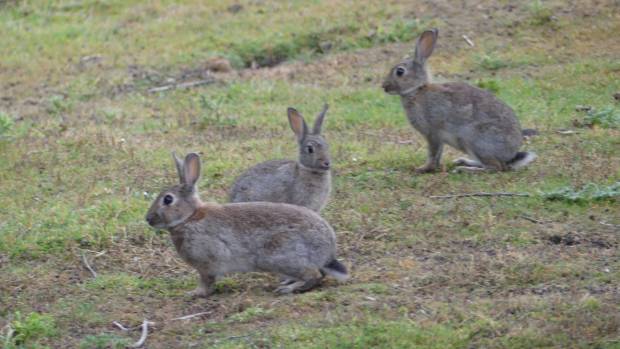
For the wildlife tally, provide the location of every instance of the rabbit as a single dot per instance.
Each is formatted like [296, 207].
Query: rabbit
[292, 241]
[465, 117]
[306, 182]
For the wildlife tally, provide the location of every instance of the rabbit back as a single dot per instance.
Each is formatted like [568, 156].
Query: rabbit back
[257, 236]
[268, 181]
[283, 181]
[467, 118]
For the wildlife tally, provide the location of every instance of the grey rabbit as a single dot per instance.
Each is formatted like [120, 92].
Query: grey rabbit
[306, 182]
[291, 241]
[465, 117]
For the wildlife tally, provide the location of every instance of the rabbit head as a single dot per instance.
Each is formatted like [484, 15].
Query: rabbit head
[176, 204]
[313, 148]
[411, 74]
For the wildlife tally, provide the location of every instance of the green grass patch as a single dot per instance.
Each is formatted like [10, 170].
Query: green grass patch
[371, 334]
[608, 117]
[104, 341]
[251, 314]
[590, 192]
[26, 331]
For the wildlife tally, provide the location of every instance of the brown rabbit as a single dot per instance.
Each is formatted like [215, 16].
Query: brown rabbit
[305, 182]
[291, 241]
[465, 117]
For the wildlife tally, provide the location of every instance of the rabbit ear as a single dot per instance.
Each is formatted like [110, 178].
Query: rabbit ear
[179, 163]
[191, 169]
[298, 124]
[425, 45]
[319, 120]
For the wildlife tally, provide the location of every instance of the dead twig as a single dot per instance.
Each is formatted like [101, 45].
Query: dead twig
[118, 324]
[566, 132]
[189, 84]
[237, 337]
[191, 316]
[92, 271]
[9, 335]
[145, 327]
[467, 195]
[609, 224]
[145, 333]
[532, 220]
[468, 40]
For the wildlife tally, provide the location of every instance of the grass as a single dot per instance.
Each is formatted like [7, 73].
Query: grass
[84, 148]
[27, 330]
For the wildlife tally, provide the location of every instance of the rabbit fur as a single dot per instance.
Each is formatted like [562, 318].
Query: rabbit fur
[465, 117]
[306, 182]
[216, 240]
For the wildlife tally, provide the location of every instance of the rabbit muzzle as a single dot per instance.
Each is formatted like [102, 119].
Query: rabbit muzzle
[154, 220]
[389, 88]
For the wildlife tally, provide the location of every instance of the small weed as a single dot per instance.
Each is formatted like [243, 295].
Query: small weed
[590, 303]
[374, 288]
[590, 192]
[58, 105]
[6, 124]
[489, 85]
[540, 14]
[492, 62]
[113, 282]
[250, 314]
[608, 117]
[227, 285]
[27, 330]
[212, 114]
[112, 115]
[104, 341]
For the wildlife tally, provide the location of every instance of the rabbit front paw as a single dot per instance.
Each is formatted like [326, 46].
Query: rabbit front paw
[426, 169]
[200, 292]
[290, 288]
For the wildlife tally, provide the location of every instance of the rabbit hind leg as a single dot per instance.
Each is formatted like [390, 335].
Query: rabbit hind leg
[304, 281]
[463, 161]
[494, 164]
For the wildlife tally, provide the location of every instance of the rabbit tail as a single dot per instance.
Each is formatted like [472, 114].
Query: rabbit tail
[336, 270]
[522, 159]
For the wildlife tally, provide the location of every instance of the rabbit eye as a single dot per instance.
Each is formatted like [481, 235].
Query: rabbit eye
[400, 71]
[310, 149]
[168, 199]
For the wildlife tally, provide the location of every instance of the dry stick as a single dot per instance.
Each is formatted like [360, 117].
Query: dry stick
[92, 271]
[468, 41]
[532, 220]
[191, 316]
[145, 324]
[466, 195]
[145, 333]
[237, 337]
[609, 224]
[118, 324]
[182, 85]
[9, 335]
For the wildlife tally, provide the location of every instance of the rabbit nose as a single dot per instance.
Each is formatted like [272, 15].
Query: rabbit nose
[149, 218]
[326, 164]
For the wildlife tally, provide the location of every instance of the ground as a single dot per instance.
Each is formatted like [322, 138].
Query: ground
[85, 146]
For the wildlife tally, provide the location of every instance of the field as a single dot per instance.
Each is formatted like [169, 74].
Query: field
[85, 146]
